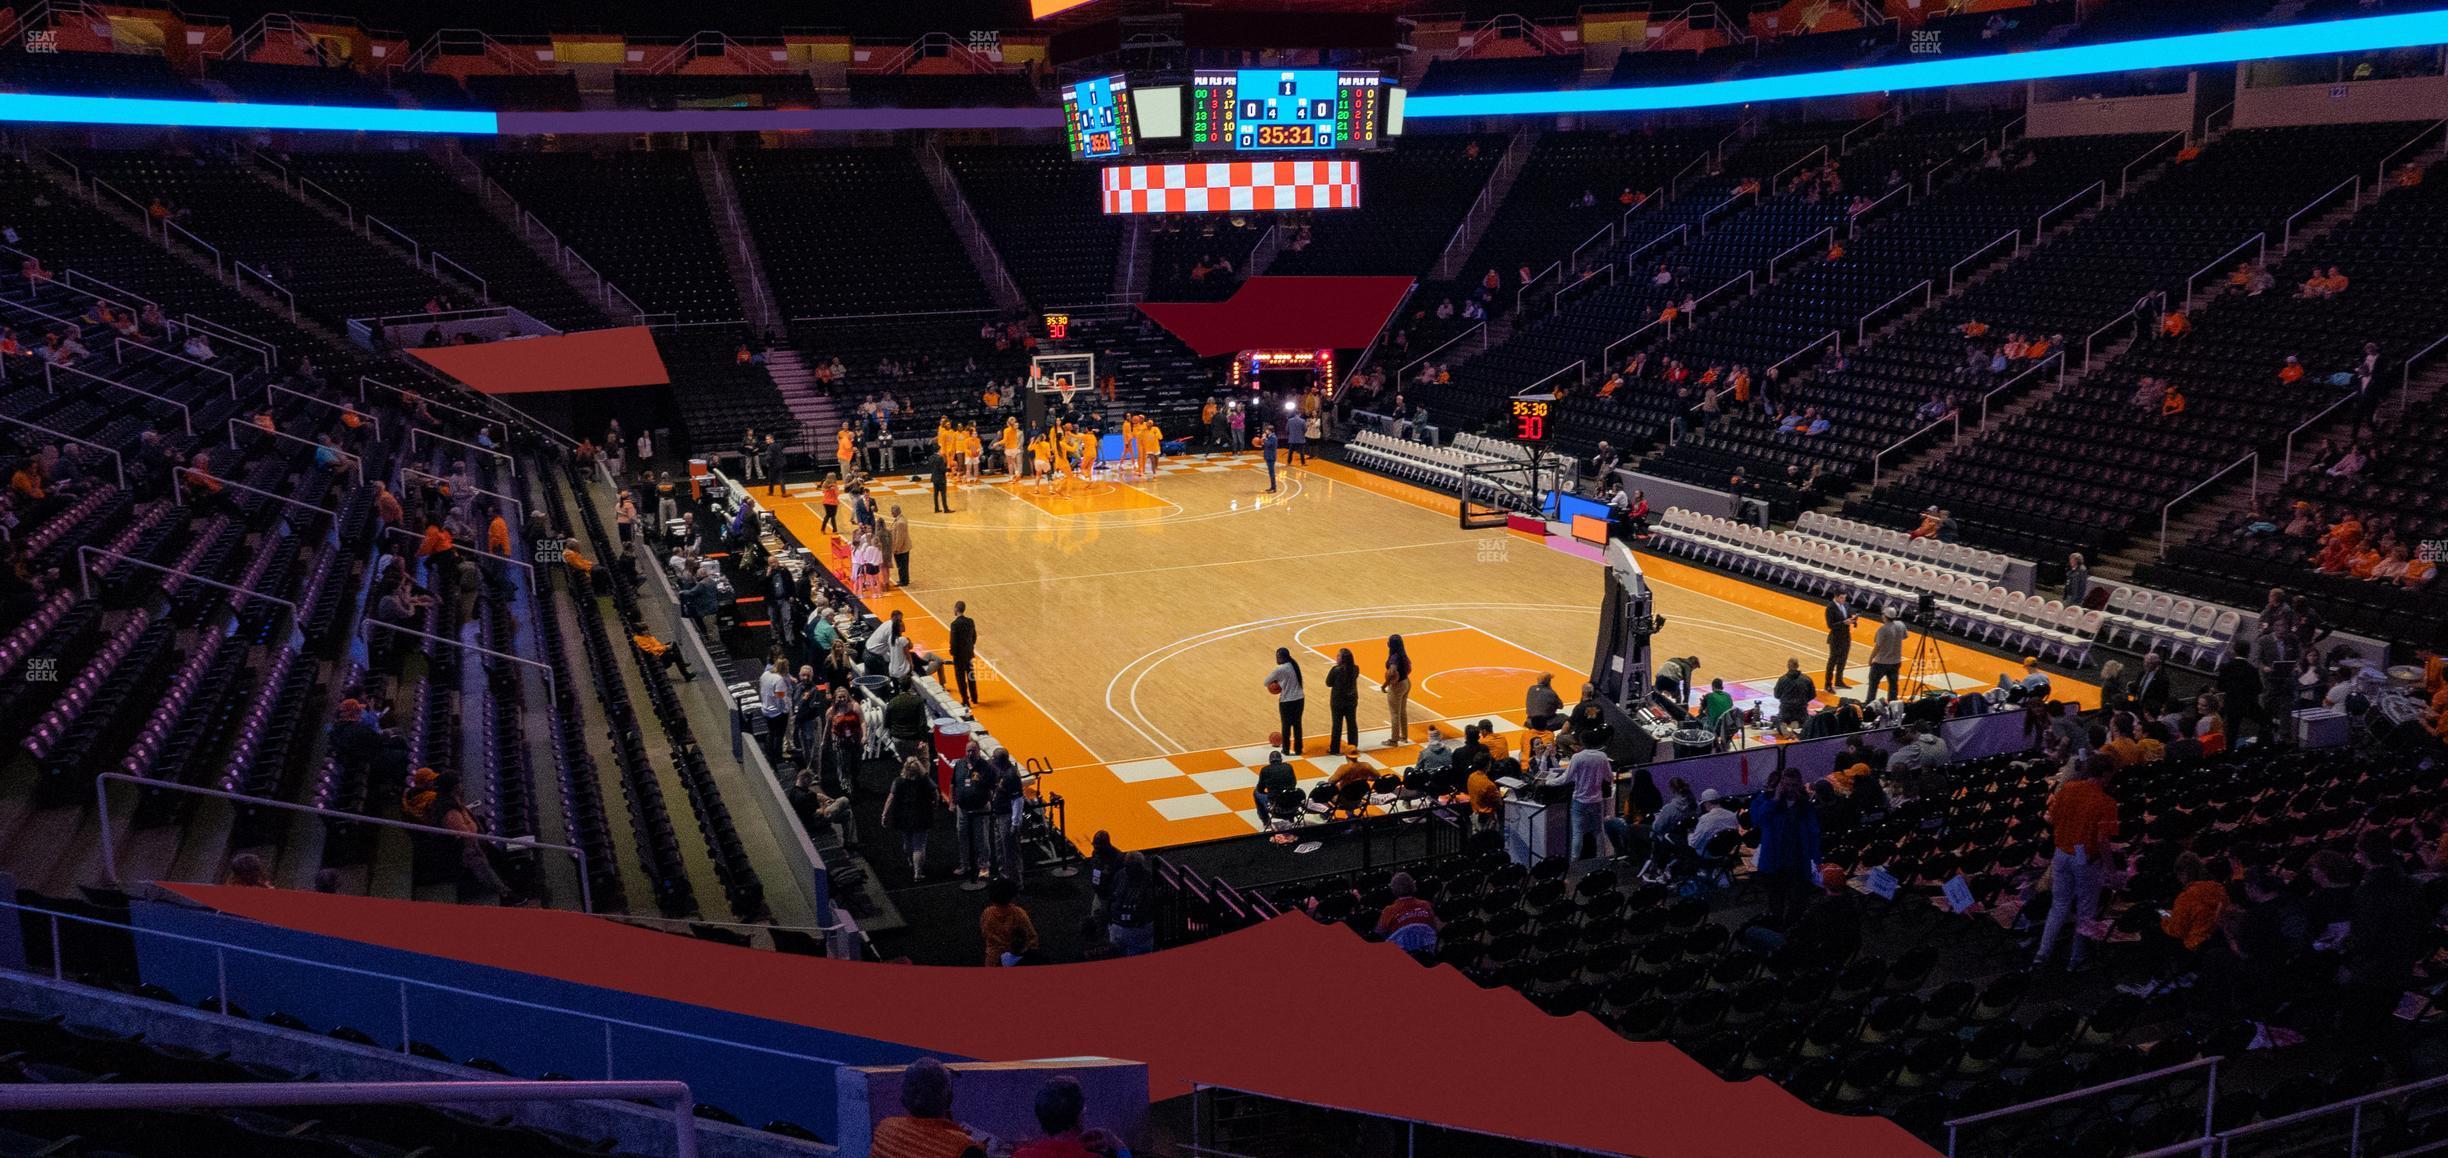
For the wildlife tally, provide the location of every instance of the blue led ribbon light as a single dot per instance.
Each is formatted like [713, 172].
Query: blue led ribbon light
[92, 110]
[2363, 34]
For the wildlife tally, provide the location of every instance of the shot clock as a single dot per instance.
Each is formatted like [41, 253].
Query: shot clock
[1530, 419]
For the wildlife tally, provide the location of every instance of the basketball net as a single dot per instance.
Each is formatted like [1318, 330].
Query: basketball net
[1064, 387]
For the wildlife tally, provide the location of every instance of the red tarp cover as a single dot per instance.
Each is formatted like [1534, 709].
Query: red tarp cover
[1377, 1033]
[1285, 313]
[587, 360]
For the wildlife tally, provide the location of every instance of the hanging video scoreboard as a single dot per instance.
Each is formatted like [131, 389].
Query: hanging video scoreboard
[1098, 120]
[1264, 109]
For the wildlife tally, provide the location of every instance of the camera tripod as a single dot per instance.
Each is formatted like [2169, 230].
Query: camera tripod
[1927, 658]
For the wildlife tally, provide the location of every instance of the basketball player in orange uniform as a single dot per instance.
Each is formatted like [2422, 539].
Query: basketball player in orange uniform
[1011, 447]
[845, 448]
[973, 452]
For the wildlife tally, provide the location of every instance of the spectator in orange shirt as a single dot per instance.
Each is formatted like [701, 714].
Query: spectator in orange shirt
[925, 1129]
[2171, 403]
[2292, 372]
[2083, 823]
[2174, 324]
[497, 536]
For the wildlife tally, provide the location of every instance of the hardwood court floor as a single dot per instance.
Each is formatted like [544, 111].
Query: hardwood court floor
[1126, 630]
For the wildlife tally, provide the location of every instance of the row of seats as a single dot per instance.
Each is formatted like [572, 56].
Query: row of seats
[1444, 467]
[2197, 633]
[1950, 556]
[1991, 614]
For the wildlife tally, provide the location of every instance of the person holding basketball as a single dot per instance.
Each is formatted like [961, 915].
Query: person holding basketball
[1290, 694]
[1011, 448]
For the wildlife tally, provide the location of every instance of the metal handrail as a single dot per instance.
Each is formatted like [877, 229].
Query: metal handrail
[186, 413]
[1777, 182]
[161, 1095]
[1579, 366]
[110, 856]
[1555, 301]
[2286, 469]
[2040, 223]
[2286, 239]
[223, 948]
[1844, 144]
[200, 243]
[199, 322]
[67, 281]
[1828, 232]
[143, 212]
[1521, 297]
[119, 351]
[2132, 314]
[355, 462]
[1862, 327]
[364, 380]
[2212, 115]
[348, 212]
[1656, 196]
[416, 249]
[1720, 207]
[2380, 174]
[414, 431]
[2028, 371]
[118, 462]
[2015, 235]
[2253, 460]
[1954, 1125]
[1606, 357]
[240, 269]
[411, 472]
[1853, 219]
[271, 388]
[435, 261]
[2356, 1104]
[416, 537]
[2405, 373]
[1955, 418]
[2259, 240]
[178, 492]
[552, 685]
[86, 552]
[1674, 184]
[2125, 176]
[1479, 328]
[1834, 336]
[1750, 282]
[1683, 231]
[1606, 233]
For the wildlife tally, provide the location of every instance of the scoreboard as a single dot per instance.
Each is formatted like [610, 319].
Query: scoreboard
[1267, 109]
[1098, 121]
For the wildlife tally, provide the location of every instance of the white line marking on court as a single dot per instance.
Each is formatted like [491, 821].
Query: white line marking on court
[1262, 560]
[1149, 661]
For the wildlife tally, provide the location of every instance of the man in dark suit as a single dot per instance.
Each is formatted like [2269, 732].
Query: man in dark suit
[937, 478]
[2151, 688]
[775, 459]
[964, 654]
[1839, 641]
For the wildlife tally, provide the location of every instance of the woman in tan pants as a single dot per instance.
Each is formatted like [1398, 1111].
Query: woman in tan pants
[1397, 691]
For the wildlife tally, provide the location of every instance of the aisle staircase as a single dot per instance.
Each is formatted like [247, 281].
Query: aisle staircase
[813, 408]
[738, 248]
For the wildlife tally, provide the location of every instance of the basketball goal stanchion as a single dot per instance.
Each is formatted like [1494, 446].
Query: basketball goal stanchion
[1053, 817]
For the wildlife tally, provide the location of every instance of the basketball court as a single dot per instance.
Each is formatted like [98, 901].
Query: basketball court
[1126, 628]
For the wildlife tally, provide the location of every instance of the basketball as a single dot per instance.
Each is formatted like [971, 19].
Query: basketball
[1274, 739]
[1275, 687]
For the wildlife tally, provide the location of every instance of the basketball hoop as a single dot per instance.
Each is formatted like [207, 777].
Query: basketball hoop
[1064, 387]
